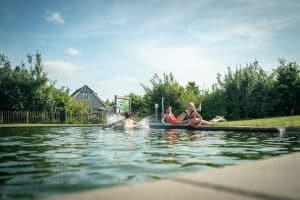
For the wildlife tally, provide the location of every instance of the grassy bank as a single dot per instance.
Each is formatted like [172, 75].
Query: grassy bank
[272, 121]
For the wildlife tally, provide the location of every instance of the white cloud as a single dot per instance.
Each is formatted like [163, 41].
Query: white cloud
[55, 18]
[187, 63]
[118, 86]
[258, 32]
[72, 52]
[61, 69]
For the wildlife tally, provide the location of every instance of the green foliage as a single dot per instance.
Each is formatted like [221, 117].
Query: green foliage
[269, 121]
[213, 104]
[287, 85]
[244, 93]
[27, 88]
[191, 94]
[138, 106]
[166, 87]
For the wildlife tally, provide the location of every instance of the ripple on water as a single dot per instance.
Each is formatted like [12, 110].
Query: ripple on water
[47, 161]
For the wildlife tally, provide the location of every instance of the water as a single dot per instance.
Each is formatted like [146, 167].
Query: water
[39, 162]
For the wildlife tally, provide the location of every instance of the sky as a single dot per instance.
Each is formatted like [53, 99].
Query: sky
[114, 46]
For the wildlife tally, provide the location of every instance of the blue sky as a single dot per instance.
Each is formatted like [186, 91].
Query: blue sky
[113, 46]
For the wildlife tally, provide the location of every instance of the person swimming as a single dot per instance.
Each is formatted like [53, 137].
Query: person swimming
[126, 123]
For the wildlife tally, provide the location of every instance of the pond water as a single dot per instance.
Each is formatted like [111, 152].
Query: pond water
[38, 162]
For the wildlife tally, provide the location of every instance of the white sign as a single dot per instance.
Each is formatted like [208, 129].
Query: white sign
[156, 105]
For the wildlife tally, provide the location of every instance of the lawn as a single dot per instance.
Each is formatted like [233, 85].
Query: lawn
[272, 121]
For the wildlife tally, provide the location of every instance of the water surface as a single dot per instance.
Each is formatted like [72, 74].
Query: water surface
[38, 162]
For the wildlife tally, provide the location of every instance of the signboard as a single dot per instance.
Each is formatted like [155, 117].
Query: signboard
[123, 104]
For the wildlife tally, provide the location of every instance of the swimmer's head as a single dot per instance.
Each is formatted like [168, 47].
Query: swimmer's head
[127, 115]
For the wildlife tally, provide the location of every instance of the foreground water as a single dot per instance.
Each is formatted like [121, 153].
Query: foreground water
[38, 162]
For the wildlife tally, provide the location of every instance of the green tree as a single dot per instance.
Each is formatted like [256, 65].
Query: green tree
[137, 105]
[247, 92]
[27, 88]
[192, 94]
[287, 84]
[166, 87]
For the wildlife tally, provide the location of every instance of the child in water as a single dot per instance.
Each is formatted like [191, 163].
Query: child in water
[127, 122]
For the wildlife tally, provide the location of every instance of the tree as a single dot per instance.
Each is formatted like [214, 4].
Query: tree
[247, 92]
[27, 88]
[166, 87]
[138, 106]
[191, 94]
[287, 84]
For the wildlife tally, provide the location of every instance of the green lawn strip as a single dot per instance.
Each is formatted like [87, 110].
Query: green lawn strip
[273, 121]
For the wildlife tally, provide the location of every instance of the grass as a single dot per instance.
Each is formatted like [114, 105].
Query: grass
[272, 121]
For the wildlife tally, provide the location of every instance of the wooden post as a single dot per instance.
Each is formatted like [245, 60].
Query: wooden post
[116, 106]
[27, 117]
[1, 119]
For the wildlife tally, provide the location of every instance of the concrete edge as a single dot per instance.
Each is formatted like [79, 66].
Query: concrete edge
[161, 188]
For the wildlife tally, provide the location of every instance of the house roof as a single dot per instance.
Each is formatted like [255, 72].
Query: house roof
[87, 89]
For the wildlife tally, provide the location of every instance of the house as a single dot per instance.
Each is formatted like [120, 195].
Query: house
[85, 93]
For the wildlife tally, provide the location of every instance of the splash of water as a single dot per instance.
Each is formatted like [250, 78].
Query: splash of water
[145, 122]
[113, 117]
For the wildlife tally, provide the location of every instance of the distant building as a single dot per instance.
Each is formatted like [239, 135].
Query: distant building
[86, 94]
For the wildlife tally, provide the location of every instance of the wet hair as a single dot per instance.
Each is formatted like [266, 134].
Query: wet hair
[127, 115]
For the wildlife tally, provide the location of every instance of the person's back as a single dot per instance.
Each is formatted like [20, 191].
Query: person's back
[129, 123]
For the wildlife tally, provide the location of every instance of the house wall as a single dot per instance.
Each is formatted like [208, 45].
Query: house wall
[93, 102]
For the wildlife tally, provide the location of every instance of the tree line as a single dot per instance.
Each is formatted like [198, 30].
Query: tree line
[26, 87]
[244, 93]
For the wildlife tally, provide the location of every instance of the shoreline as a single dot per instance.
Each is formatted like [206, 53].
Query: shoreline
[266, 129]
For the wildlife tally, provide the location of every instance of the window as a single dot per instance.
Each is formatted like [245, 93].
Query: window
[85, 96]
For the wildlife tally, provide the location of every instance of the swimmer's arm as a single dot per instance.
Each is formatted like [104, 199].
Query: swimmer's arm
[163, 119]
[112, 124]
[198, 115]
[135, 122]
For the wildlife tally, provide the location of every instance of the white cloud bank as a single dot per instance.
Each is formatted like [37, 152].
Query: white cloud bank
[72, 52]
[55, 18]
[61, 69]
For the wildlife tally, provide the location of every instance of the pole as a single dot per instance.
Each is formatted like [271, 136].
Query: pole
[156, 107]
[162, 106]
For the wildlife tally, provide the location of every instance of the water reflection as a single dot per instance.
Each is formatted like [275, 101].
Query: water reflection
[46, 161]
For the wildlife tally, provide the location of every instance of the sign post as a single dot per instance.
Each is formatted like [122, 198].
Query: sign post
[156, 107]
[200, 108]
[162, 106]
[123, 104]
